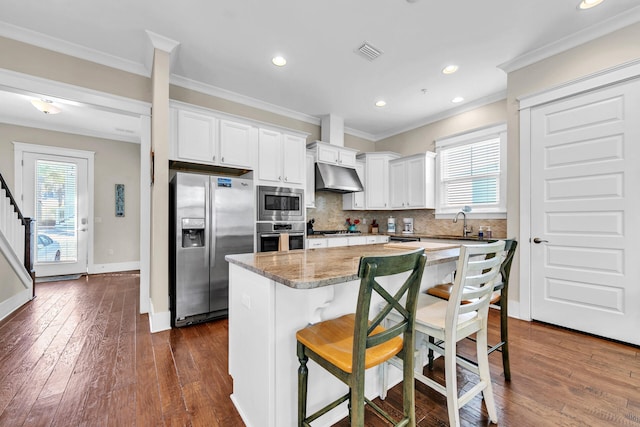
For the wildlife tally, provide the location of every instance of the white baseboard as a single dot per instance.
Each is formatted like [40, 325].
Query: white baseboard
[114, 267]
[15, 302]
[514, 310]
[159, 321]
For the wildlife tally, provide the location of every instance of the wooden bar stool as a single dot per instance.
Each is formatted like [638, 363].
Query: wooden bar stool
[350, 344]
[450, 321]
[500, 297]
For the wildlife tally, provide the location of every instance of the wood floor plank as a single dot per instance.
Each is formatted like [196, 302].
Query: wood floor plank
[81, 355]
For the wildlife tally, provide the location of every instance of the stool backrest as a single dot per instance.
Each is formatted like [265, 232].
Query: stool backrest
[477, 273]
[403, 301]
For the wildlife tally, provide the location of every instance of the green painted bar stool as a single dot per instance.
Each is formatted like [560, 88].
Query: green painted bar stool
[350, 344]
[500, 297]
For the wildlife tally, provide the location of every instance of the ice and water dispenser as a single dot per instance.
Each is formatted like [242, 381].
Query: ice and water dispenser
[192, 232]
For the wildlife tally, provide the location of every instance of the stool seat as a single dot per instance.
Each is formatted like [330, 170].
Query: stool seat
[333, 341]
[348, 345]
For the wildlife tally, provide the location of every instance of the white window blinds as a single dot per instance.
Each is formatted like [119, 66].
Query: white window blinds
[471, 173]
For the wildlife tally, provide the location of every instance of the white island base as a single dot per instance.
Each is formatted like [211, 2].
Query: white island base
[264, 316]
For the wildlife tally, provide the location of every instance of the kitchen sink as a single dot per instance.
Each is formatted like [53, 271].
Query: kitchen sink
[454, 237]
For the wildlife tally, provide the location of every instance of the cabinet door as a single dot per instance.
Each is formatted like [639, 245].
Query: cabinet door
[377, 190]
[294, 151]
[397, 185]
[347, 158]
[316, 243]
[415, 184]
[196, 137]
[327, 154]
[270, 156]
[310, 188]
[334, 242]
[236, 144]
[356, 201]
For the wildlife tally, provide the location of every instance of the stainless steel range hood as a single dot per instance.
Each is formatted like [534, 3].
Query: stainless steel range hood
[337, 179]
[331, 177]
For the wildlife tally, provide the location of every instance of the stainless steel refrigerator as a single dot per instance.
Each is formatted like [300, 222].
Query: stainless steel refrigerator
[210, 217]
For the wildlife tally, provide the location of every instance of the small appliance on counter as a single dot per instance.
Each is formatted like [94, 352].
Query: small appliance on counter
[391, 225]
[408, 226]
[310, 226]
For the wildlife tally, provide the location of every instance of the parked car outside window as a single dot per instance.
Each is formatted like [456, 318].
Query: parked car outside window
[48, 249]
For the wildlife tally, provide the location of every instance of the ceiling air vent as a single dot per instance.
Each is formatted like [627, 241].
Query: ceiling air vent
[369, 51]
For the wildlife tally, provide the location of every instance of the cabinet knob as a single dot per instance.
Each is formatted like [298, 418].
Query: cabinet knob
[214, 158]
[222, 159]
[280, 178]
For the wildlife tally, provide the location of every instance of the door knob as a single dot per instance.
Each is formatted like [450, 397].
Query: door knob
[538, 240]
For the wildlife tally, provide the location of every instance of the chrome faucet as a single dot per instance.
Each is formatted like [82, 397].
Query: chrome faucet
[465, 231]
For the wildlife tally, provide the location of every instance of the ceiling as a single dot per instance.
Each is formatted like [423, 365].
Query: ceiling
[225, 49]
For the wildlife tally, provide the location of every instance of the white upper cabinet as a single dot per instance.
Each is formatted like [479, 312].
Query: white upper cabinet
[356, 201]
[310, 189]
[412, 182]
[237, 144]
[281, 158]
[196, 137]
[333, 154]
[202, 137]
[377, 179]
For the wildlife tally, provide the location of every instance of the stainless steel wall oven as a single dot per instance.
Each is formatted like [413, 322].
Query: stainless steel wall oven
[270, 234]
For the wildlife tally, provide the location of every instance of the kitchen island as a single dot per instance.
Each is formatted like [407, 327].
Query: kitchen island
[274, 294]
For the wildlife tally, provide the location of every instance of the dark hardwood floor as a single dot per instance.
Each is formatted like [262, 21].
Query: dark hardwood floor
[80, 355]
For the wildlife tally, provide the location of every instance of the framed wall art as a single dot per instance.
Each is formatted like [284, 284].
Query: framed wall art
[119, 199]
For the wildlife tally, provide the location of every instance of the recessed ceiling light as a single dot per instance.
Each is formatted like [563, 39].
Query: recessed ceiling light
[279, 61]
[380, 103]
[450, 69]
[588, 4]
[457, 99]
[45, 106]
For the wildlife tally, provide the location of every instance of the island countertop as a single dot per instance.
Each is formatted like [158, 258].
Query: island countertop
[314, 268]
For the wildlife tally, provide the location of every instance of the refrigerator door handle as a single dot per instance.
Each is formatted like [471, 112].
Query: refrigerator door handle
[207, 222]
[211, 210]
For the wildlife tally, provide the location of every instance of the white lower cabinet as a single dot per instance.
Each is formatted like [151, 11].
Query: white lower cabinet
[316, 243]
[334, 242]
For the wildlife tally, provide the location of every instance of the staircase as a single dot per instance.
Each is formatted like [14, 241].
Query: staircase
[16, 239]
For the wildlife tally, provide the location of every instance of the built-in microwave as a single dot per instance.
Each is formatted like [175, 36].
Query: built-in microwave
[280, 204]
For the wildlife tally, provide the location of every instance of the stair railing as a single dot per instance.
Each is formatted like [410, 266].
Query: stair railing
[17, 228]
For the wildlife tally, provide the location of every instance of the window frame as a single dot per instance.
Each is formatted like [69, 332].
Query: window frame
[494, 211]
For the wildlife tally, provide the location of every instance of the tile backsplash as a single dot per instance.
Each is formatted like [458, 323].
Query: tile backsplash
[328, 215]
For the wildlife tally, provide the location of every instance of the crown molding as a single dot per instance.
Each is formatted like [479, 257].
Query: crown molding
[61, 46]
[241, 99]
[161, 42]
[134, 139]
[576, 39]
[472, 105]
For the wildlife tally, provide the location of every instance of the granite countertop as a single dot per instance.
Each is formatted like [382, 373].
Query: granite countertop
[313, 268]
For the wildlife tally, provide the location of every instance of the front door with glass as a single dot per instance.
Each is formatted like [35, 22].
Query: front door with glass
[55, 195]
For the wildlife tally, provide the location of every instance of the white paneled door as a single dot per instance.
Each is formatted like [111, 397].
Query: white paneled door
[585, 212]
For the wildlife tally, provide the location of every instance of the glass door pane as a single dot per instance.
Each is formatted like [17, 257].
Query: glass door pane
[56, 206]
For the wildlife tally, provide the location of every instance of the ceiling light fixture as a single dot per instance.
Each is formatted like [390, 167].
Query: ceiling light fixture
[279, 61]
[380, 103]
[457, 99]
[45, 106]
[588, 4]
[450, 69]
